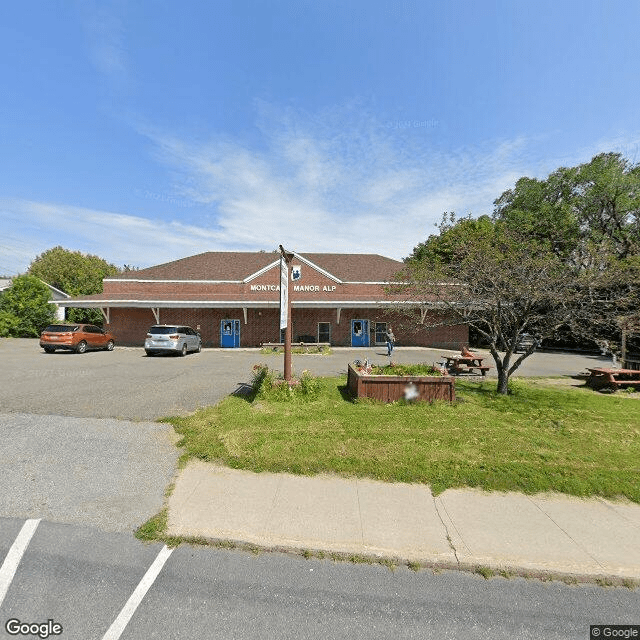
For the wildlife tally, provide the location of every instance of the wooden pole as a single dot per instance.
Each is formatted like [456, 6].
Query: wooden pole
[288, 257]
[287, 333]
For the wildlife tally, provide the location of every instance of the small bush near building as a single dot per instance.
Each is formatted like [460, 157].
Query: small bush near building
[270, 385]
[9, 324]
[25, 308]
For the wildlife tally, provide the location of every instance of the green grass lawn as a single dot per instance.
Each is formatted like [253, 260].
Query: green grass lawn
[540, 438]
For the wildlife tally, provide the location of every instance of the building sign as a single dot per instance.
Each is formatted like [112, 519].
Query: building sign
[265, 287]
[313, 288]
[284, 293]
[296, 272]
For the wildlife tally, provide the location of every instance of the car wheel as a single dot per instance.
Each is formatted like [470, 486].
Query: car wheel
[149, 353]
[49, 349]
[184, 350]
[110, 345]
[82, 347]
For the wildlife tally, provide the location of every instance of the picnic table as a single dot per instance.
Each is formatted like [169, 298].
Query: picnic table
[458, 364]
[601, 378]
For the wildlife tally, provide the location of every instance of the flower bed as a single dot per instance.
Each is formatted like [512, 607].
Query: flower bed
[362, 382]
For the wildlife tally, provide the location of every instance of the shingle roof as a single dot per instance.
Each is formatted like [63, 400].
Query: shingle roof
[237, 266]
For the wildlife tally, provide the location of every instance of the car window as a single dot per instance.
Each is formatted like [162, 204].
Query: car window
[163, 330]
[61, 328]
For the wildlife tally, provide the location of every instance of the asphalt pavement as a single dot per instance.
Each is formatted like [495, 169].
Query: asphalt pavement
[68, 455]
[128, 385]
[93, 583]
[106, 473]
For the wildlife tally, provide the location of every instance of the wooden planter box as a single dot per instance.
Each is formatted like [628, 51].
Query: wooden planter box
[392, 388]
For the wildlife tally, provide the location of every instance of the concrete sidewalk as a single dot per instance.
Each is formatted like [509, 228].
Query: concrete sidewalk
[545, 534]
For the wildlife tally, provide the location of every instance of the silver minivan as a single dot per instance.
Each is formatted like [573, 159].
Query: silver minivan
[172, 338]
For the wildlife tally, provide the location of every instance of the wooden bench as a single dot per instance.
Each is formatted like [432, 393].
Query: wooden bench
[280, 345]
[462, 364]
[469, 369]
[601, 378]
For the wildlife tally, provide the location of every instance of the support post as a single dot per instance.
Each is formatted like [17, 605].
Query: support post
[285, 301]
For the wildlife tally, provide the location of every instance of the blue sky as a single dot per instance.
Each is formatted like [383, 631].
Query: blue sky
[146, 131]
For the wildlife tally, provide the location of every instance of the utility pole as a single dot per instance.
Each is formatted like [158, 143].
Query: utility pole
[285, 308]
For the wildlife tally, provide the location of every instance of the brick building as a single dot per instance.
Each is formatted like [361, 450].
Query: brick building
[233, 299]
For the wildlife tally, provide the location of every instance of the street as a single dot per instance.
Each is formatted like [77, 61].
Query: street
[83, 579]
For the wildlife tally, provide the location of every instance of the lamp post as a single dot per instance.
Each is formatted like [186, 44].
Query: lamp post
[285, 308]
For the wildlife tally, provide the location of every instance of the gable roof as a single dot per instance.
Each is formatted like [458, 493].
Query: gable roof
[238, 266]
[6, 283]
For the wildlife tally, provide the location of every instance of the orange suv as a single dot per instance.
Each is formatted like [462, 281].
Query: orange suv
[75, 337]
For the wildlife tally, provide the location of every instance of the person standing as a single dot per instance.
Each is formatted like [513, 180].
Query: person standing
[391, 339]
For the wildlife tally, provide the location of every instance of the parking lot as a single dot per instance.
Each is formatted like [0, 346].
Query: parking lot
[124, 383]
[127, 384]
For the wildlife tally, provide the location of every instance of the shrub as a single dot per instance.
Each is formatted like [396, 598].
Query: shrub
[269, 385]
[27, 301]
[406, 370]
[9, 324]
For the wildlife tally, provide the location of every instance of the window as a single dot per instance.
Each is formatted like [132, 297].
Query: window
[160, 330]
[381, 332]
[324, 332]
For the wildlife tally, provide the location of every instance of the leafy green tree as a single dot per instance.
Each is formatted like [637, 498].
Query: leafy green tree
[76, 274]
[589, 216]
[9, 324]
[577, 210]
[25, 309]
[503, 281]
[452, 233]
[543, 210]
[498, 282]
[559, 256]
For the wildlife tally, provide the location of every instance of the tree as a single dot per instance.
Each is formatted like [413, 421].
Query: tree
[500, 283]
[589, 216]
[503, 282]
[452, 232]
[74, 273]
[25, 309]
[9, 324]
[596, 204]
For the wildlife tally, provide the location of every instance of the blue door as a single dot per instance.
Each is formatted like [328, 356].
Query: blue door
[359, 333]
[229, 333]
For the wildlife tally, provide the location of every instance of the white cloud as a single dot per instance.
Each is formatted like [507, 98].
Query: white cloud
[339, 182]
[118, 238]
[354, 187]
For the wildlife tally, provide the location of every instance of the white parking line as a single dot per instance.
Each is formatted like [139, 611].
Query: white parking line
[11, 562]
[119, 624]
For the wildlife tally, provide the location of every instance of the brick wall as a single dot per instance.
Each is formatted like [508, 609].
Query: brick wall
[130, 326]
